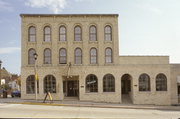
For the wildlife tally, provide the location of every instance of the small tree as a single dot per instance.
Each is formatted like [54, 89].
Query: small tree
[5, 87]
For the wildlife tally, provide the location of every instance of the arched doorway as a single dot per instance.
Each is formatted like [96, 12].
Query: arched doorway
[126, 86]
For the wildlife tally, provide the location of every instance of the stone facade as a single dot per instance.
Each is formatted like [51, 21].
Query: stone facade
[131, 66]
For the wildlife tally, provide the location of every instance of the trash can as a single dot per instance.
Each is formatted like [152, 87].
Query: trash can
[4, 94]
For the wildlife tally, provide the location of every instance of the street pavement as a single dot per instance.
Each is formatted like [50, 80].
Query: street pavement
[19, 108]
[43, 111]
[78, 103]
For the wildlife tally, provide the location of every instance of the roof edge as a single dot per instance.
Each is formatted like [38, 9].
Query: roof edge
[44, 15]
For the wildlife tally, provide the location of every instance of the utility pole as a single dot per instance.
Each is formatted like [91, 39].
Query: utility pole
[35, 71]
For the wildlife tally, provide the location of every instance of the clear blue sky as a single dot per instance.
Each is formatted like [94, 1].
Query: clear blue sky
[146, 27]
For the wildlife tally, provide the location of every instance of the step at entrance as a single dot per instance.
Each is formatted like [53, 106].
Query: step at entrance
[126, 99]
[71, 98]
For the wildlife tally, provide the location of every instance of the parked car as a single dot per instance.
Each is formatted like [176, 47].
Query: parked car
[16, 93]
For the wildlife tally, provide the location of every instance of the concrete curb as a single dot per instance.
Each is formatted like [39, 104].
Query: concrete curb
[102, 106]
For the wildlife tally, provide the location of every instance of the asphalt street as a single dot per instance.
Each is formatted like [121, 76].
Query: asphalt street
[44, 111]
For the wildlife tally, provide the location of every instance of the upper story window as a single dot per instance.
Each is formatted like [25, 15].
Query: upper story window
[93, 33]
[77, 33]
[47, 34]
[93, 56]
[32, 34]
[62, 33]
[31, 59]
[161, 82]
[78, 56]
[108, 55]
[144, 82]
[62, 56]
[47, 56]
[108, 33]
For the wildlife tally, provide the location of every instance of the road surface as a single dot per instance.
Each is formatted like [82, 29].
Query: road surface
[42, 111]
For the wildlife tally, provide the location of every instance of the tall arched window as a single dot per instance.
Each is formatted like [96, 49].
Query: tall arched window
[30, 85]
[31, 59]
[91, 83]
[161, 82]
[108, 83]
[32, 34]
[144, 82]
[78, 56]
[77, 33]
[62, 33]
[108, 55]
[93, 56]
[47, 34]
[50, 84]
[47, 56]
[62, 56]
[93, 33]
[108, 33]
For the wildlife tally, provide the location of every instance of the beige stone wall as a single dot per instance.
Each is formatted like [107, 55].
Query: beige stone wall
[144, 59]
[147, 97]
[132, 65]
[175, 72]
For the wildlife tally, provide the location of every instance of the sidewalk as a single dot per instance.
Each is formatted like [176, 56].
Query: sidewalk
[78, 103]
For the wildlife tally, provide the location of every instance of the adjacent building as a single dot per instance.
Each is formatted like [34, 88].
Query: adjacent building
[78, 56]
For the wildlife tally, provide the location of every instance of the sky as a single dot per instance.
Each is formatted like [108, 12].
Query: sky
[146, 27]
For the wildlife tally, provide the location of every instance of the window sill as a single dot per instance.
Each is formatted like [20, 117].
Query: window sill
[109, 64]
[110, 92]
[30, 65]
[162, 91]
[108, 42]
[46, 42]
[91, 93]
[93, 42]
[78, 65]
[32, 42]
[47, 65]
[145, 92]
[93, 64]
[62, 64]
[77, 42]
[62, 42]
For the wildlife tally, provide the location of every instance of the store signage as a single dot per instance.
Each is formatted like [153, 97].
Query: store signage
[91, 82]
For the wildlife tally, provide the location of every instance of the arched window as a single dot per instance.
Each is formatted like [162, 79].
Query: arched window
[108, 83]
[50, 84]
[93, 33]
[62, 56]
[144, 82]
[62, 33]
[30, 85]
[108, 33]
[32, 34]
[78, 56]
[91, 83]
[108, 55]
[47, 34]
[47, 56]
[31, 59]
[77, 33]
[161, 82]
[93, 56]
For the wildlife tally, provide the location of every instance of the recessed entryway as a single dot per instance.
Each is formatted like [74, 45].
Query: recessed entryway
[71, 86]
[126, 87]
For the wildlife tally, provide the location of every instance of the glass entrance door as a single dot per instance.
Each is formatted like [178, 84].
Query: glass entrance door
[71, 88]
